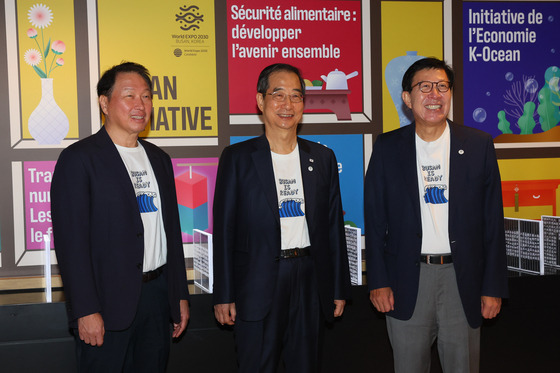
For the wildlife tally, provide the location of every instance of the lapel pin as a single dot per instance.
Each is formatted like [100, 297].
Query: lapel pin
[310, 168]
[311, 160]
[461, 151]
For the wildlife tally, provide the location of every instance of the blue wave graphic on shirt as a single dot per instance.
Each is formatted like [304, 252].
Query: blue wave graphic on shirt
[146, 203]
[435, 195]
[290, 209]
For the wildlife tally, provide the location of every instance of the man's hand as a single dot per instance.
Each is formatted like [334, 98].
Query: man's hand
[178, 329]
[339, 307]
[382, 299]
[490, 306]
[91, 329]
[225, 313]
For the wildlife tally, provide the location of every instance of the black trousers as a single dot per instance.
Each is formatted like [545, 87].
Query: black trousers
[143, 347]
[293, 328]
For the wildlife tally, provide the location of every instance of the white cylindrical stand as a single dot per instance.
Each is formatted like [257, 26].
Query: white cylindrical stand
[48, 279]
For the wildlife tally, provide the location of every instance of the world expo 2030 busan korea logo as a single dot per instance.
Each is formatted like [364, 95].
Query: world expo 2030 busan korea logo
[189, 18]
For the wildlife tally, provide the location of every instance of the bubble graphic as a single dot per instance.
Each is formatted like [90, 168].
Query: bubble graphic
[488, 94]
[553, 51]
[553, 84]
[509, 76]
[550, 18]
[531, 85]
[479, 115]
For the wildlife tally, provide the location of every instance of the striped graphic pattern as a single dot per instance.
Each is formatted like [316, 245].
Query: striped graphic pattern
[146, 203]
[290, 209]
[435, 195]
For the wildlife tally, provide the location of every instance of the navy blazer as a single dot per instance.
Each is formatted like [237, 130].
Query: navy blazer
[247, 227]
[98, 231]
[476, 224]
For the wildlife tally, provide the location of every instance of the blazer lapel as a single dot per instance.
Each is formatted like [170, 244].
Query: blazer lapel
[407, 158]
[159, 174]
[263, 164]
[113, 163]
[457, 166]
[309, 178]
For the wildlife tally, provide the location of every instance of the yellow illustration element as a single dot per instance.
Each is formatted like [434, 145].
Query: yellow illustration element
[530, 187]
[180, 54]
[48, 91]
[403, 29]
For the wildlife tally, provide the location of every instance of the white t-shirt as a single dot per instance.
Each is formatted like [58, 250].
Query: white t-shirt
[433, 185]
[149, 203]
[291, 200]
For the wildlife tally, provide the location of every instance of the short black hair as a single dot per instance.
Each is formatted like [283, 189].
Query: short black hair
[107, 81]
[262, 84]
[426, 63]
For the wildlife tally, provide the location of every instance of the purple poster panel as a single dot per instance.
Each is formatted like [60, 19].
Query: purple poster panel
[37, 185]
[195, 180]
[511, 59]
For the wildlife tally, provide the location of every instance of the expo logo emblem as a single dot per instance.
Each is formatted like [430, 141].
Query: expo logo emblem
[189, 44]
[189, 17]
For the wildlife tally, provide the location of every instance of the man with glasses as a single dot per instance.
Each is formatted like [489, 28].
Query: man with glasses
[280, 261]
[435, 245]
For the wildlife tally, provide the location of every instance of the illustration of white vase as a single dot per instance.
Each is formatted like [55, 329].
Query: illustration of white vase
[47, 123]
[394, 73]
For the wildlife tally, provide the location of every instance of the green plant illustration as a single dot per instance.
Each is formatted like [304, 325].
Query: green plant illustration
[526, 122]
[517, 97]
[549, 113]
[546, 101]
[552, 79]
[503, 124]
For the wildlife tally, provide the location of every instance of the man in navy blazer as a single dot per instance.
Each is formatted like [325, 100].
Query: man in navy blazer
[280, 260]
[117, 235]
[435, 245]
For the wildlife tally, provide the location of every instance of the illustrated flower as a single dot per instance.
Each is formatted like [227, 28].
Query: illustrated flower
[32, 57]
[40, 16]
[58, 47]
[32, 33]
[40, 58]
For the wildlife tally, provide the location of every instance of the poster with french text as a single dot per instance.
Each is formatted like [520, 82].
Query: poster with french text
[511, 61]
[324, 39]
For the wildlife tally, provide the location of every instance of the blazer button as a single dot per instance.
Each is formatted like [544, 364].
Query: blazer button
[419, 235]
[139, 265]
[139, 235]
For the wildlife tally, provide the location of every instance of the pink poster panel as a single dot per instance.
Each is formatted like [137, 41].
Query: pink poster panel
[37, 185]
[322, 38]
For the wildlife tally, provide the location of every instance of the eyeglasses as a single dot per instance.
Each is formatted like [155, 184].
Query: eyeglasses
[427, 86]
[280, 96]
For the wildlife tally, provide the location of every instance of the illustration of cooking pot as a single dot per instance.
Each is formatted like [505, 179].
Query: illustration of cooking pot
[337, 79]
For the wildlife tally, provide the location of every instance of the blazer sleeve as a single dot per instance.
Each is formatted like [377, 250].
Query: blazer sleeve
[225, 206]
[70, 208]
[495, 271]
[375, 215]
[176, 259]
[337, 235]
